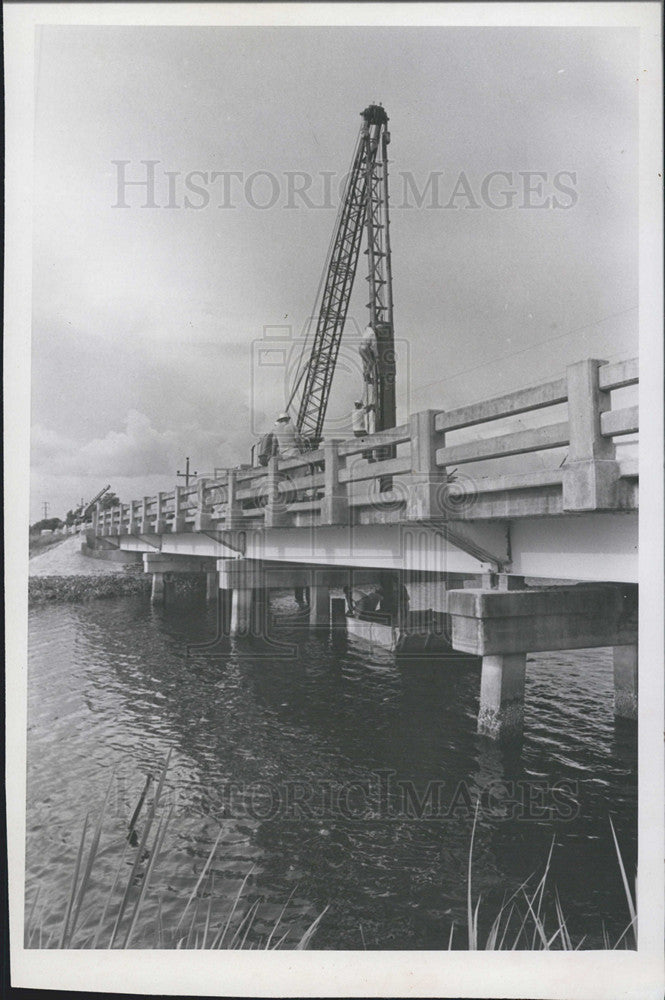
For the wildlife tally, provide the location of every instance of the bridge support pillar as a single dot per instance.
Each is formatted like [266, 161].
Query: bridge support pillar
[625, 681]
[319, 604]
[501, 714]
[503, 625]
[157, 590]
[242, 608]
[246, 581]
[212, 585]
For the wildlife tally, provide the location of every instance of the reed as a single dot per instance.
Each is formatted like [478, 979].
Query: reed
[530, 919]
[122, 914]
[522, 924]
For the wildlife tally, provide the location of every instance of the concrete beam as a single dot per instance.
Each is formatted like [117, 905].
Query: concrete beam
[158, 563]
[276, 576]
[492, 622]
[599, 546]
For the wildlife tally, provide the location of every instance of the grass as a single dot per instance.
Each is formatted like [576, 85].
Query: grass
[46, 589]
[525, 922]
[121, 921]
[531, 919]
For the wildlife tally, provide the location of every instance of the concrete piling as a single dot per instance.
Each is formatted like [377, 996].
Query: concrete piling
[212, 585]
[319, 605]
[242, 608]
[157, 590]
[501, 713]
[625, 681]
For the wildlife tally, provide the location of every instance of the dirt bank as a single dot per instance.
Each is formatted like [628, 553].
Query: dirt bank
[65, 559]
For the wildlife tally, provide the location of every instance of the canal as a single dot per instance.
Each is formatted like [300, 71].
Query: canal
[340, 777]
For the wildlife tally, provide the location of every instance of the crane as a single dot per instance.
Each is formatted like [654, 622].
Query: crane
[88, 507]
[363, 207]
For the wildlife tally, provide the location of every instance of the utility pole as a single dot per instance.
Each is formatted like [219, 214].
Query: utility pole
[186, 474]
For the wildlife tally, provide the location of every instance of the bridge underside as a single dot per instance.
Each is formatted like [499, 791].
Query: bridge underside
[482, 598]
[598, 547]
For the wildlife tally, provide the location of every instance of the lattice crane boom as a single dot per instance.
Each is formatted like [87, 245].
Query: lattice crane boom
[364, 207]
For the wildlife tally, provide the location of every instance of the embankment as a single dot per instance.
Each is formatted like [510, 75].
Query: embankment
[45, 589]
[62, 572]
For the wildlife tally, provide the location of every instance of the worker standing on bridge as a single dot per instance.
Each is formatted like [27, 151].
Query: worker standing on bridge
[289, 442]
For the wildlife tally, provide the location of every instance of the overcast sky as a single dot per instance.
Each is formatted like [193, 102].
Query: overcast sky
[148, 320]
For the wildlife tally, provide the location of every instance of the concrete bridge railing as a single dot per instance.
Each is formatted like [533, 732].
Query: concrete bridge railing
[559, 520]
[402, 474]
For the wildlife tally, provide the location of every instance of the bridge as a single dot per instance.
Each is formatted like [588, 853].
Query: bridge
[433, 501]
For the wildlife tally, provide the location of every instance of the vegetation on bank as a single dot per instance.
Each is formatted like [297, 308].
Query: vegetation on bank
[47, 589]
[529, 920]
[121, 922]
[533, 919]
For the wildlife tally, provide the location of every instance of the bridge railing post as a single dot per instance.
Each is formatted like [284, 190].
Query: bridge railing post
[133, 525]
[276, 507]
[178, 517]
[426, 484]
[145, 519]
[234, 518]
[335, 503]
[202, 518]
[591, 472]
[160, 520]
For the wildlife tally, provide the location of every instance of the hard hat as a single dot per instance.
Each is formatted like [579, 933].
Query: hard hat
[357, 403]
[283, 416]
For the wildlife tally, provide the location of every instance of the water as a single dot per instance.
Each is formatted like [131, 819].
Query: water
[112, 685]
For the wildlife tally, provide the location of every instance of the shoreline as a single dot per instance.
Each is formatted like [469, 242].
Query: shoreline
[80, 588]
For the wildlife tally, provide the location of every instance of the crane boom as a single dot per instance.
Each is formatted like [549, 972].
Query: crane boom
[88, 507]
[364, 206]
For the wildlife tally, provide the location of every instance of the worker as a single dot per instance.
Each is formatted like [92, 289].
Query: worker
[369, 354]
[394, 600]
[267, 448]
[366, 603]
[287, 437]
[358, 420]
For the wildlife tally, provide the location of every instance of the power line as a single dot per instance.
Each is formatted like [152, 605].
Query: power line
[525, 350]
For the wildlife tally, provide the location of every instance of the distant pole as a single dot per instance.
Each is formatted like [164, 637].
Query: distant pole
[186, 474]
[45, 506]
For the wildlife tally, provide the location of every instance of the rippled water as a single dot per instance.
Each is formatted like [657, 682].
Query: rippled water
[117, 684]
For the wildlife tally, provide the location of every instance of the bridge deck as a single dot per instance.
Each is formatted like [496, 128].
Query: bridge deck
[418, 473]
